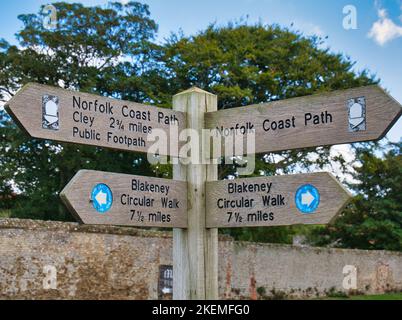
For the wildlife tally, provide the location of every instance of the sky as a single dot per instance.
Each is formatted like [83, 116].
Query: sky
[373, 39]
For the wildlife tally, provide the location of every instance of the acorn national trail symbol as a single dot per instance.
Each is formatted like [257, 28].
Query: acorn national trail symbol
[47, 112]
[102, 198]
[307, 198]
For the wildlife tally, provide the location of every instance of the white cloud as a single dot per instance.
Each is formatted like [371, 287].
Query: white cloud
[310, 29]
[384, 29]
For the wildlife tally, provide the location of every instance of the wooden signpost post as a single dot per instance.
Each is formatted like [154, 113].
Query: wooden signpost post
[96, 197]
[194, 204]
[345, 116]
[68, 116]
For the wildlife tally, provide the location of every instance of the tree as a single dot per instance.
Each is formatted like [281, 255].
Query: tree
[374, 218]
[110, 51]
[250, 64]
[245, 65]
[106, 51]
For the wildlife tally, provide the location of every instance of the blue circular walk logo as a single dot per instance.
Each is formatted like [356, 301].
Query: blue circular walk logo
[102, 198]
[307, 198]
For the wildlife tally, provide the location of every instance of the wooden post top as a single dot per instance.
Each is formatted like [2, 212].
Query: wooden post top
[194, 89]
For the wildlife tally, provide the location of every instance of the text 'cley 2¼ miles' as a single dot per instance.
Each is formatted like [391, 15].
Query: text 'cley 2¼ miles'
[75, 117]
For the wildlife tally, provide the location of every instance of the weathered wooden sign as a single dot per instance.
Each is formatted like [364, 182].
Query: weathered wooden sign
[274, 201]
[94, 197]
[67, 116]
[360, 114]
[103, 198]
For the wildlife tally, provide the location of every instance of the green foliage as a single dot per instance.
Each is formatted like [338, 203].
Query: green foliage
[334, 293]
[374, 218]
[111, 51]
[99, 50]
[245, 65]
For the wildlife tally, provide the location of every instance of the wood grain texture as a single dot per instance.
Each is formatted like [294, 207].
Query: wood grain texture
[333, 198]
[211, 246]
[190, 246]
[181, 263]
[382, 111]
[124, 132]
[77, 197]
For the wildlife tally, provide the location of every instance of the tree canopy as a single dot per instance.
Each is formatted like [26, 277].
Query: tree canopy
[93, 49]
[374, 218]
[112, 51]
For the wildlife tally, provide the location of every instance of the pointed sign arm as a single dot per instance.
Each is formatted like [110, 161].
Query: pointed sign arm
[338, 117]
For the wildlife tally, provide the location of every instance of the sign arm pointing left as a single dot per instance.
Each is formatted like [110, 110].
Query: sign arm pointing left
[52, 113]
[66, 195]
[105, 198]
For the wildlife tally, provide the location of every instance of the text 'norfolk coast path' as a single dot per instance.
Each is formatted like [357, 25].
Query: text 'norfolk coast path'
[68, 116]
[344, 116]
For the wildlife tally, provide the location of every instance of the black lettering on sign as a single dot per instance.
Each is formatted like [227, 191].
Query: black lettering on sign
[315, 119]
[273, 201]
[224, 203]
[135, 114]
[125, 140]
[235, 187]
[170, 203]
[80, 117]
[168, 120]
[128, 200]
[86, 134]
[94, 106]
[260, 216]
[242, 129]
[137, 185]
[273, 125]
[159, 217]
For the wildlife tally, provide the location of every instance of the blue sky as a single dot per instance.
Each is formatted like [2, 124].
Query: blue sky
[376, 44]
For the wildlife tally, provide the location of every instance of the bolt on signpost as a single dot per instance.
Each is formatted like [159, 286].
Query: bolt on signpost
[194, 204]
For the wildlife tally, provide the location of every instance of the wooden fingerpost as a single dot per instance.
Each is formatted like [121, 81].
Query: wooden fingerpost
[195, 249]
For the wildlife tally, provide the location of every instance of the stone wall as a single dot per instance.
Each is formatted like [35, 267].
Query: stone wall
[52, 260]
[308, 272]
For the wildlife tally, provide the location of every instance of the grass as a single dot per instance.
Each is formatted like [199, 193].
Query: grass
[387, 296]
[5, 213]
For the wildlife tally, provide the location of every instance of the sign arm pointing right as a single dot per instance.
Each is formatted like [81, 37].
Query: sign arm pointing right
[338, 117]
[315, 198]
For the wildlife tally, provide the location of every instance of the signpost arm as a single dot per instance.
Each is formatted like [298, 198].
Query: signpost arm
[192, 257]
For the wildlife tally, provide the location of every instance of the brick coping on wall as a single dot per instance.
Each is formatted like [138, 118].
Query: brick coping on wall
[27, 224]
[317, 250]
